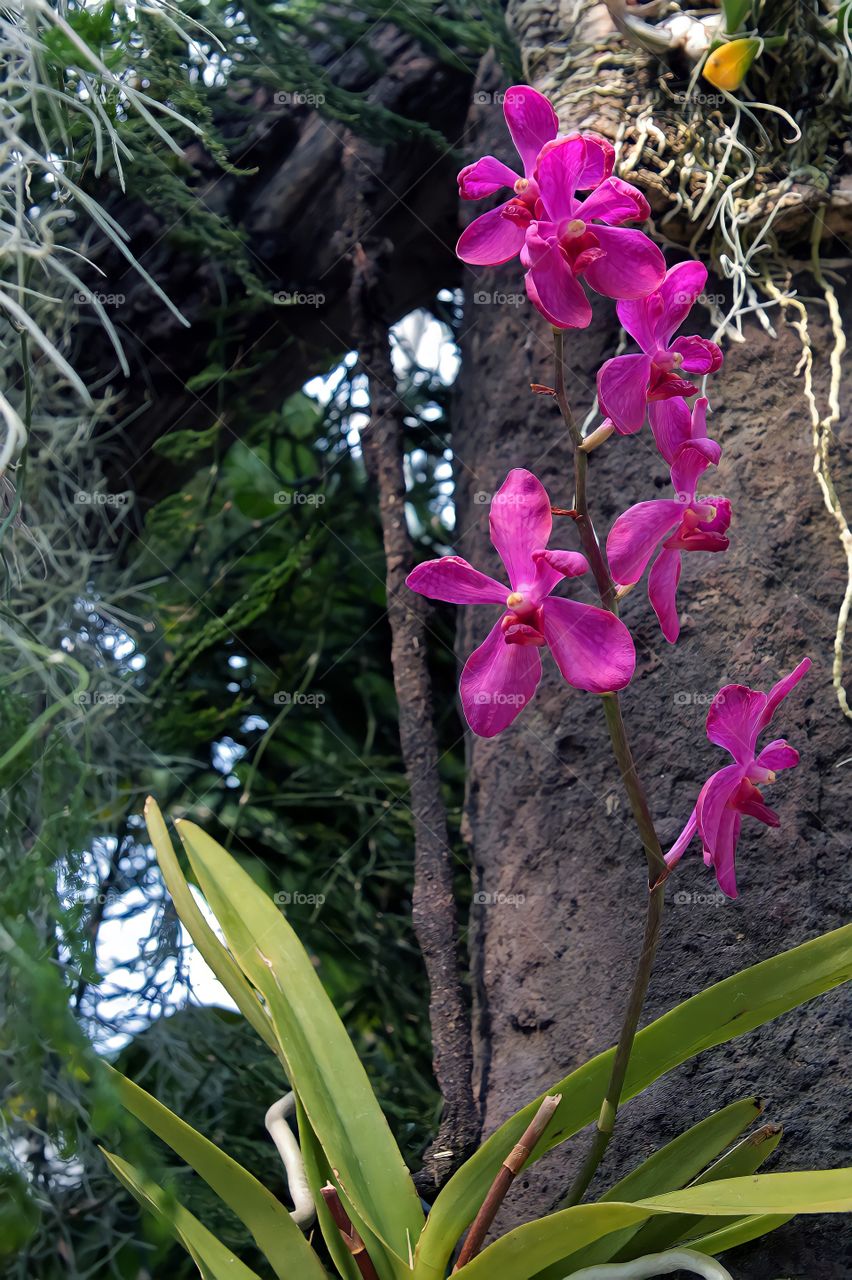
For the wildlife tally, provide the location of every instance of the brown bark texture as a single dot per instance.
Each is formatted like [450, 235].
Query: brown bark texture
[434, 914]
[559, 873]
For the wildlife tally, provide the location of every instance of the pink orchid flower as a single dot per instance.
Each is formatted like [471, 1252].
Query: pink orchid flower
[574, 239]
[737, 716]
[628, 384]
[687, 523]
[498, 236]
[592, 648]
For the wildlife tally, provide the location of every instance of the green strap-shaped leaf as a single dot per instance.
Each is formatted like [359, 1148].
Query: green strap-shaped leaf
[713, 1017]
[318, 1173]
[669, 1168]
[319, 1057]
[213, 1259]
[744, 1231]
[528, 1250]
[745, 1158]
[274, 1231]
[810, 1191]
[218, 957]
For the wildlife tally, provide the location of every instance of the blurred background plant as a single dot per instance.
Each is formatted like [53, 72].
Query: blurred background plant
[220, 642]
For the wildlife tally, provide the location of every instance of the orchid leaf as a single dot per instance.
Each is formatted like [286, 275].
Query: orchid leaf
[274, 1231]
[220, 960]
[320, 1060]
[318, 1172]
[523, 1253]
[745, 1158]
[669, 1168]
[213, 1259]
[712, 1017]
[734, 12]
[742, 1232]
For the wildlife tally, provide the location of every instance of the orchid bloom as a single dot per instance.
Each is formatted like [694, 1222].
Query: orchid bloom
[627, 385]
[592, 648]
[736, 718]
[558, 236]
[498, 236]
[685, 523]
[585, 238]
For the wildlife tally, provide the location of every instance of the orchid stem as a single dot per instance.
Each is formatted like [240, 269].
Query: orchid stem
[588, 537]
[638, 803]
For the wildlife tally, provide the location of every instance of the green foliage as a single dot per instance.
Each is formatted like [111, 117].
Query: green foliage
[712, 1017]
[346, 1142]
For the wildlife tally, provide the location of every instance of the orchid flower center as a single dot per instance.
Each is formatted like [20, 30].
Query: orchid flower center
[676, 359]
[521, 186]
[575, 227]
[515, 600]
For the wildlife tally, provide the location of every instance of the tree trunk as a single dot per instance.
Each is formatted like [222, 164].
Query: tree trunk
[557, 862]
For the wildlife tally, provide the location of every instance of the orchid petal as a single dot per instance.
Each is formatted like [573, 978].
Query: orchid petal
[521, 523]
[700, 355]
[592, 647]
[532, 122]
[451, 578]
[552, 286]
[558, 175]
[678, 292]
[491, 239]
[640, 318]
[683, 841]
[568, 564]
[753, 806]
[779, 691]
[636, 534]
[734, 720]
[777, 756]
[623, 385]
[690, 463]
[497, 682]
[614, 201]
[662, 592]
[715, 798]
[671, 425]
[484, 178]
[724, 853]
[632, 266]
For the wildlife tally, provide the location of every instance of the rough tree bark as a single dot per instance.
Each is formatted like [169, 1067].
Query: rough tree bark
[547, 821]
[434, 912]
